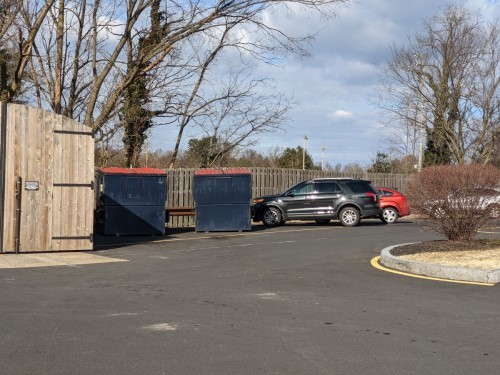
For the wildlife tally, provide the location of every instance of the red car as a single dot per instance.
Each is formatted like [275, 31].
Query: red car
[393, 205]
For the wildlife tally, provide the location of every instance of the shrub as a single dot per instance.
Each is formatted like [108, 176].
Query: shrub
[457, 199]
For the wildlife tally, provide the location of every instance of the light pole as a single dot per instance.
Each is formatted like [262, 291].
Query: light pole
[304, 153]
[421, 113]
[323, 158]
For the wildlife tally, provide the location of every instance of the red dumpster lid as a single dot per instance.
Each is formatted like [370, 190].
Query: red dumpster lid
[148, 171]
[214, 171]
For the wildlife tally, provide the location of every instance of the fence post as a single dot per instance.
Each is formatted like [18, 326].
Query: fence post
[3, 135]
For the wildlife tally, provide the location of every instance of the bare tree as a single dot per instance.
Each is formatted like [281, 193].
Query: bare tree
[233, 109]
[19, 26]
[248, 113]
[273, 155]
[78, 60]
[402, 134]
[8, 12]
[196, 105]
[449, 76]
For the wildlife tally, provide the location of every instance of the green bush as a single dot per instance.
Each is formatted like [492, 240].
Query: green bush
[458, 200]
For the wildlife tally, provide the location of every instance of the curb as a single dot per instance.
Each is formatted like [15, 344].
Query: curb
[437, 270]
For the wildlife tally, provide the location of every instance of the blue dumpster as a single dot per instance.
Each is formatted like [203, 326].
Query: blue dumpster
[132, 201]
[222, 199]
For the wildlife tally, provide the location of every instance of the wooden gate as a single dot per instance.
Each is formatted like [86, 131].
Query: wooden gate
[46, 181]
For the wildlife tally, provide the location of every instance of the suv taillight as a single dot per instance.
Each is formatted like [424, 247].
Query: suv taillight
[372, 196]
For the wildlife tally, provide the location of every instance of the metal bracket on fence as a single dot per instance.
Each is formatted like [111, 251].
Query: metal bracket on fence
[91, 185]
[90, 237]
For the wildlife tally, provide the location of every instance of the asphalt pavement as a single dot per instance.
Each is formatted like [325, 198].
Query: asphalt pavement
[299, 299]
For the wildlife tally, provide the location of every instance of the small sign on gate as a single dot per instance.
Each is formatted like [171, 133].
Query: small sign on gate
[31, 185]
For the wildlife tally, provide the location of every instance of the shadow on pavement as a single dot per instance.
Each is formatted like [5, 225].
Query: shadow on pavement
[102, 242]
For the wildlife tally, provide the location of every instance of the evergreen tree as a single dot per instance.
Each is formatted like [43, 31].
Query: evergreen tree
[381, 164]
[294, 158]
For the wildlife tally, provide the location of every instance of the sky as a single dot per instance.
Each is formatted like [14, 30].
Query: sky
[332, 86]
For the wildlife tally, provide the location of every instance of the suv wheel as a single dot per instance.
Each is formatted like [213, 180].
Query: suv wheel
[349, 217]
[389, 215]
[272, 217]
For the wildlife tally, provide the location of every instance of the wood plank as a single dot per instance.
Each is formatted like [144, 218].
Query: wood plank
[188, 193]
[31, 172]
[182, 192]
[3, 151]
[80, 207]
[72, 206]
[48, 147]
[89, 163]
[80, 193]
[57, 176]
[9, 197]
[174, 194]
[19, 164]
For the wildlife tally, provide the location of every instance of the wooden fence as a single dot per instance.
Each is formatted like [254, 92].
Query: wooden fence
[265, 181]
[46, 181]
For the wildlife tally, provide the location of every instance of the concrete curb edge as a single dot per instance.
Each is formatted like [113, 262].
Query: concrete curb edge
[437, 270]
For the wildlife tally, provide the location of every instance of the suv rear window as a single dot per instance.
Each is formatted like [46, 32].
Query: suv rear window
[359, 186]
[327, 188]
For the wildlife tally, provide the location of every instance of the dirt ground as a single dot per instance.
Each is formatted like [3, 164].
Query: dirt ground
[479, 254]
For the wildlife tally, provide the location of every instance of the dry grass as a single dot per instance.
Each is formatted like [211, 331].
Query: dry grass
[483, 260]
[479, 254]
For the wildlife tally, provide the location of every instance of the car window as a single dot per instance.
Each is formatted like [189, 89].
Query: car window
[307, 188]
[358, 186]
[386, 193]
[327, 187]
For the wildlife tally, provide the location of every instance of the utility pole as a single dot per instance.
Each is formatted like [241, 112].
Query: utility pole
[421, 113]
[323, 158]
[304, 153]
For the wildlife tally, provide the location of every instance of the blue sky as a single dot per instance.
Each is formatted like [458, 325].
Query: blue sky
[333, 85]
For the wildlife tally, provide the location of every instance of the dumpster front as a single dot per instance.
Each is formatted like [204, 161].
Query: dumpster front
[132, 201]
[222, 199]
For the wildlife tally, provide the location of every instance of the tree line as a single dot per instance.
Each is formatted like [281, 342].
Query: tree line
[207, 153]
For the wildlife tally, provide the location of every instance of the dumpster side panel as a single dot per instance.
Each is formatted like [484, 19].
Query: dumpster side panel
[134, 220]
[134, 190]
[132, 201]
[223, 217]
[214, 189]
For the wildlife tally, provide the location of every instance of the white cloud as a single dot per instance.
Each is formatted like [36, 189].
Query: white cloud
[341, 115]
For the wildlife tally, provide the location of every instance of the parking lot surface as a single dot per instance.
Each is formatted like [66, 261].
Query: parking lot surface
[298, 299]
